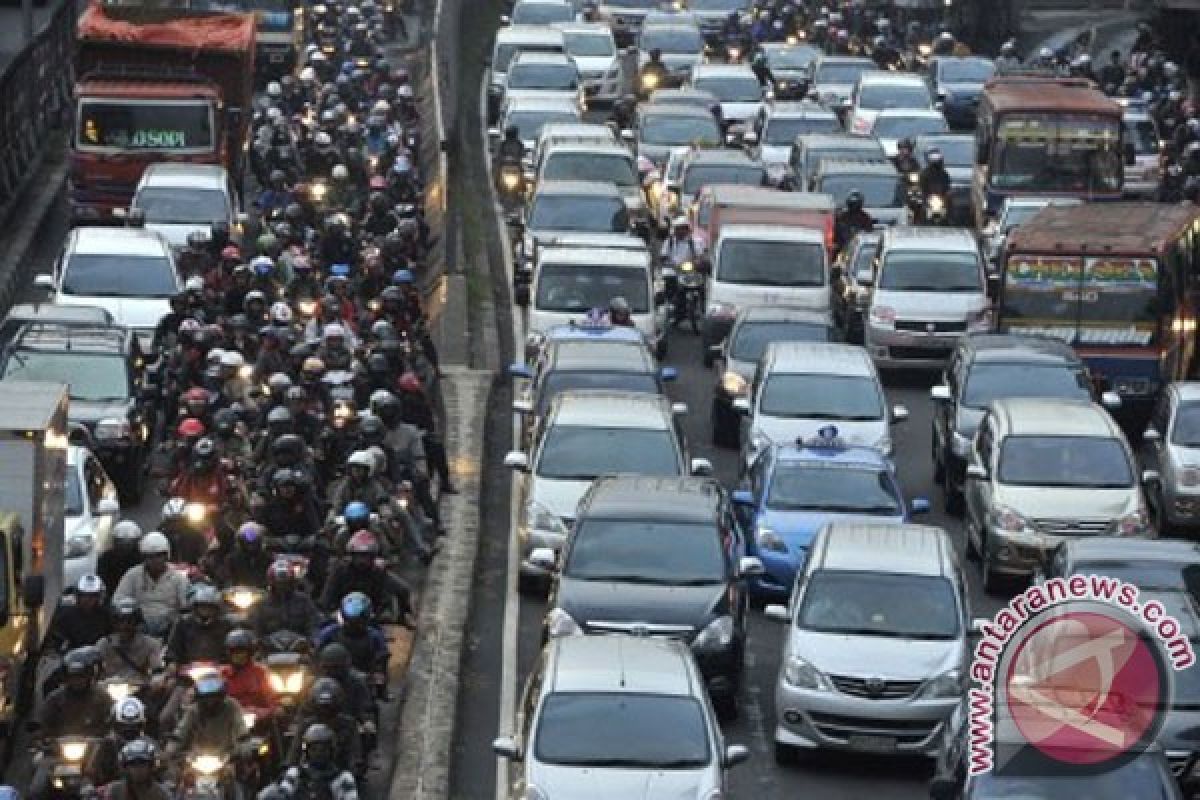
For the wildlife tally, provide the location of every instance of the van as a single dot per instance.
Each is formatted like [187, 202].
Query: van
[719, 205]
[519, 39]
[764, 265]
[554, 133]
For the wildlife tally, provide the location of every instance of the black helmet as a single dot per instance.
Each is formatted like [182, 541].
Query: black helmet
[334, 656]
[139, 751]
[288, 446]
[372, 428]
[240, 639]
[905, 144]
[854, 201]
[326, 693]
[656, 54]
[511, 132]
[318, 744]
[80, 661]
[225, 422]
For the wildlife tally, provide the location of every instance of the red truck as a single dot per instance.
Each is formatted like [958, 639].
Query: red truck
[156, 85]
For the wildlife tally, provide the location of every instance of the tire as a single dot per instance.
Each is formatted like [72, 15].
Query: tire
[531, 586]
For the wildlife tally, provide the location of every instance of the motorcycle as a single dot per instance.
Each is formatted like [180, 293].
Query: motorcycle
[67, 780]
[689, 296]
[511, 185]
[937, 210]
[209, 776]
[240, 601]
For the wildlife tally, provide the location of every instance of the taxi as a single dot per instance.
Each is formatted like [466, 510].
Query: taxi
[793, 490]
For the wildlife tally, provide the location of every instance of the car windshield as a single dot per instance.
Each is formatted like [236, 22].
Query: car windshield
[589, 45]
[563, 380]
[988, 382]
[784, 130]
[146, 125]
[847, 397]
[90, 275]
[840, 72]
[957, 151]
[930, 271]
[182, 206]
[731, 88]
[529, 123]
[505, 52]
[584, 213]
[646, 551]
[878, 191]
[966, 70]
[621, 730]
[89, 376]
[543, 76]
[698, 176]
[757, 262]
[865, 604]
[1142, 134]
[718, 5]
[672, 39]
[791, 57]
[898, 127]
[72, 494]
[604, 167]
[579, 453]
[834, 488]
[877, 98]
[580, 288]
[752, 338]
[1186, 432]
[1147, 777]
[1083, 462]
[542, 13]
[677, 131]
[1153, 575]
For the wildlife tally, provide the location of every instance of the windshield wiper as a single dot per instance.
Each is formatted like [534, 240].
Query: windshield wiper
[861, 632]
[629, 762]
[643, 579]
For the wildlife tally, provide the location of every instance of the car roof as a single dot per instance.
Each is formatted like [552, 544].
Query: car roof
[797, 453]
[544, 58]
[534, 34]
[766, 197]
[602, 355]
[1052, 416]
[800, 109]
[539, 101]
[593, 333]
[666, 96]
[775, 313]
[673, 110]
[1086, 548]
[885, 547]
[132, 242]
[616, 663]
[602, 241]
[189, 176]
[818, 358]
[577, 188]
[911, 113]
[594, 147]
[887, 77]
[1025, 201]
[844, 166]
[590, 256]
[584, 27]
[932, 139]
[604, 408]
[837, 59]
[1000, 348]
[925, 237]
[839, 139]
[722, 155]
[648, 497]
[772, 233]
[722, 70]
[678, 22]
[1186, 390]
[72, 338]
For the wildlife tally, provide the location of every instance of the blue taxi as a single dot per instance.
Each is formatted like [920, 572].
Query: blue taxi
[792, 490]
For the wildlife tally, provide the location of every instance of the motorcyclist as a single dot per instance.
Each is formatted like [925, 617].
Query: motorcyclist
[354, 630]
[290, 509]
[943, 44]
[285, 608]
[1008, 59]
[77, 708]
[333, 661]
[127, 652]
[358, 484]
[83, 622]
[159, 591]
[360, 573]
[906, 163]
[200, 635]
[113, 563]
[326, 705]
[935, 180]
[214, 722]
[1112, 73]
[511, 149]
[139, 762]
[247, 562]
[762, 70]
[246, 681]
[619, 313]
[852, 219]
[318, 777]
[128, 724]
[653, 74]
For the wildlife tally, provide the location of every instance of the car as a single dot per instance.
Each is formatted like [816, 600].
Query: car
[586, 434]
[625, 17]
[833, 78]
[853, 278]
[880, 90]
[593, 161]
[801, 387]
[957, 83]
[876, 649]
[90, 511]
[110, 400]
[930, 288]
[1143, 152]
[987, 366]
[129, 272]
[597, 330]
[511, 40]
[958, 156]
[556, 133]
[793, 490]
[1016, 211]
[776, 128]
[877, 181]
[661, 129]
[1041, 470]
[530, 252]
[892, 125]
[809, 150]
[663, 555]
[711, 16]
[680, 43]
[735, 85]
[697, 168]
[684, 96]
[570, 207]
[790, 66]
[753, 329]
[539, 12]
[179, 199]
[22, 314]
[594, 51]
[1170, 449]
[627, 713]
[530, 115]
[550, 76]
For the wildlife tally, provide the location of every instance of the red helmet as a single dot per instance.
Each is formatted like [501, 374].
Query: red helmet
[195, 395]
[409, 382]
[378, 183]
[189, 428]
[231, 253]
[363, 541]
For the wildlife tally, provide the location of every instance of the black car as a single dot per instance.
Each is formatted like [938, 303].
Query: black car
[957, 82]
[991, 366]
[661, 557]
[105, 370]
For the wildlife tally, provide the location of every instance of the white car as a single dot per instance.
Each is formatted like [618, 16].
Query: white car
[881, 90]
[129, 272]
[594, 50]
[734, 85]
[179, 199]
[550, 76]
[91, 510]
[893, 124]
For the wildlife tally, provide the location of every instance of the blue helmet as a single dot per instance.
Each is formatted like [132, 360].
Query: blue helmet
[356, 513]
[402, 277]
[356, 605]
[347, 67]
[340, 271]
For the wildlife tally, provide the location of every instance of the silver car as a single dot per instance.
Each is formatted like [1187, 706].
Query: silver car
[930, 288]
[861, 671]
[621, 715]
[1171, 453]
[1041, 470]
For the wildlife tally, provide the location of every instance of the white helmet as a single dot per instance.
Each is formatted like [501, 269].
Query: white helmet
[274, 89]
[127, 530]
[361, 458]
[323, 139]
[332, 330]
[404, 91]
[308, 75]
[381, 107]
[194, 284]
[89, 584]
[281, 314]
[214, 357]
[232, 359]
[274, 114]
[154, 544]
[340, 173]
[129, 711]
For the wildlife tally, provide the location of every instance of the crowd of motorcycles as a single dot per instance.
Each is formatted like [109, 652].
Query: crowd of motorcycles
[240, 649]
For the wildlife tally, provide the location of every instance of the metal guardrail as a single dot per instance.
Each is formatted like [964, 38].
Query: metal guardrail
[35, 99]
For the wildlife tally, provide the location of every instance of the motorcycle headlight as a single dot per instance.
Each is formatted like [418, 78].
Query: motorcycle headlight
[538, 517]
[687, 266]
[80, 544]
[735, 53]
[246, 372]
[717, 635]
[113, 428]
[799, 673]
[249, 718]
[73, 751]
[318, 191]
[118, 691]
[307, 307]
[733, 384]
[242, 599]
[649, 80]
[195, 513]
[510, 180]
[207, 764]
[559, 624]
[936, 204]
[948, 684]
[287, 682]
[770, 541]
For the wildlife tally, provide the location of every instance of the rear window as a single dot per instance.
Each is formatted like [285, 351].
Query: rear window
[118, 276]
[579, 213]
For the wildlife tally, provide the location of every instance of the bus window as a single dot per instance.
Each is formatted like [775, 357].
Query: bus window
[1042, 152]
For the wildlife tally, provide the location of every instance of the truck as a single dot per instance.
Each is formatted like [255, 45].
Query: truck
[34, 438]
[156, 84]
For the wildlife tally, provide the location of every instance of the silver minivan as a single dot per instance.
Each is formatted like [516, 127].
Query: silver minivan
[625, 716]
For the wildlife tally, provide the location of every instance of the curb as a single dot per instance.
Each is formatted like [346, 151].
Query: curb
[32, 209]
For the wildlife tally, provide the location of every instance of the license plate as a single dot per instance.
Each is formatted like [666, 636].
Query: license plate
[276, 58]
[873, 744]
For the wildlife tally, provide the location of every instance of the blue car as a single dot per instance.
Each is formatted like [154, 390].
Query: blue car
[795, 489]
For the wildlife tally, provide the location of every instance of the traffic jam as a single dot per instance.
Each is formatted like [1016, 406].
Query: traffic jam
[806, 210]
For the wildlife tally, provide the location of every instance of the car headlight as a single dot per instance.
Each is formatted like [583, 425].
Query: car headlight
[1134, 523]
[1005, 519]
[559, 624]
[801, 674]
[733, 384]
[80, 544]
[770, 541]
[948, 684]
[960, 445]
[717, 635]
[884, 445]
[538, 517]
[113, 428]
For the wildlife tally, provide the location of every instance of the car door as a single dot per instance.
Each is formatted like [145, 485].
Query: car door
[978, 491]
[1152, 451]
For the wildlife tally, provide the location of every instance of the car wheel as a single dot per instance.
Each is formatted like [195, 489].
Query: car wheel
[786, 755]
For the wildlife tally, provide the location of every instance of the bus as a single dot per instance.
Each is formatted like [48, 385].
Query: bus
[1119, 281]
[1046, 136]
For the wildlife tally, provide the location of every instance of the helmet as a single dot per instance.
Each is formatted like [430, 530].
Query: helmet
[194, 284]
[356, 513]
[127, 531]
[279, 382]
[327, 693]
[129, 711]
[334, 656]
[274, 89]
[174, 508]
[126, 610]
[409, 382]
[945, 37]
[340, 173]
[680, 221]
[656, 54]
[89, 584]
[205, 595]
[355, 606]
[251, 533]
[363, 542]
[139, 751]
[933, 155]
[240, 639]
[619, 305]
[296, 394]
[905, 144]
[360, 458]
[372, 428]
[318, 743]
[333, 330]
[1046, 54]
[210, 686]
[854, 200]
[323, 139]
[279, 416]
[279, 571]
[402, 277]
[154, 544]
[80, 661]
[232, 359]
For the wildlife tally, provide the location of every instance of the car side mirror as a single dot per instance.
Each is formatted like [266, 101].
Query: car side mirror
[977, 471]
[543, 558]
[735, 754]
[45, 282]
[899, 413]
[919, 505]
[517, 460]
[940, 393]
[741, 405]
[1151, 435]
[742, 497]
[749, 566]
[1150, 476]
[108, 507]
[1110, 400]
[701, 467]
[776, 613]
[506, 747]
